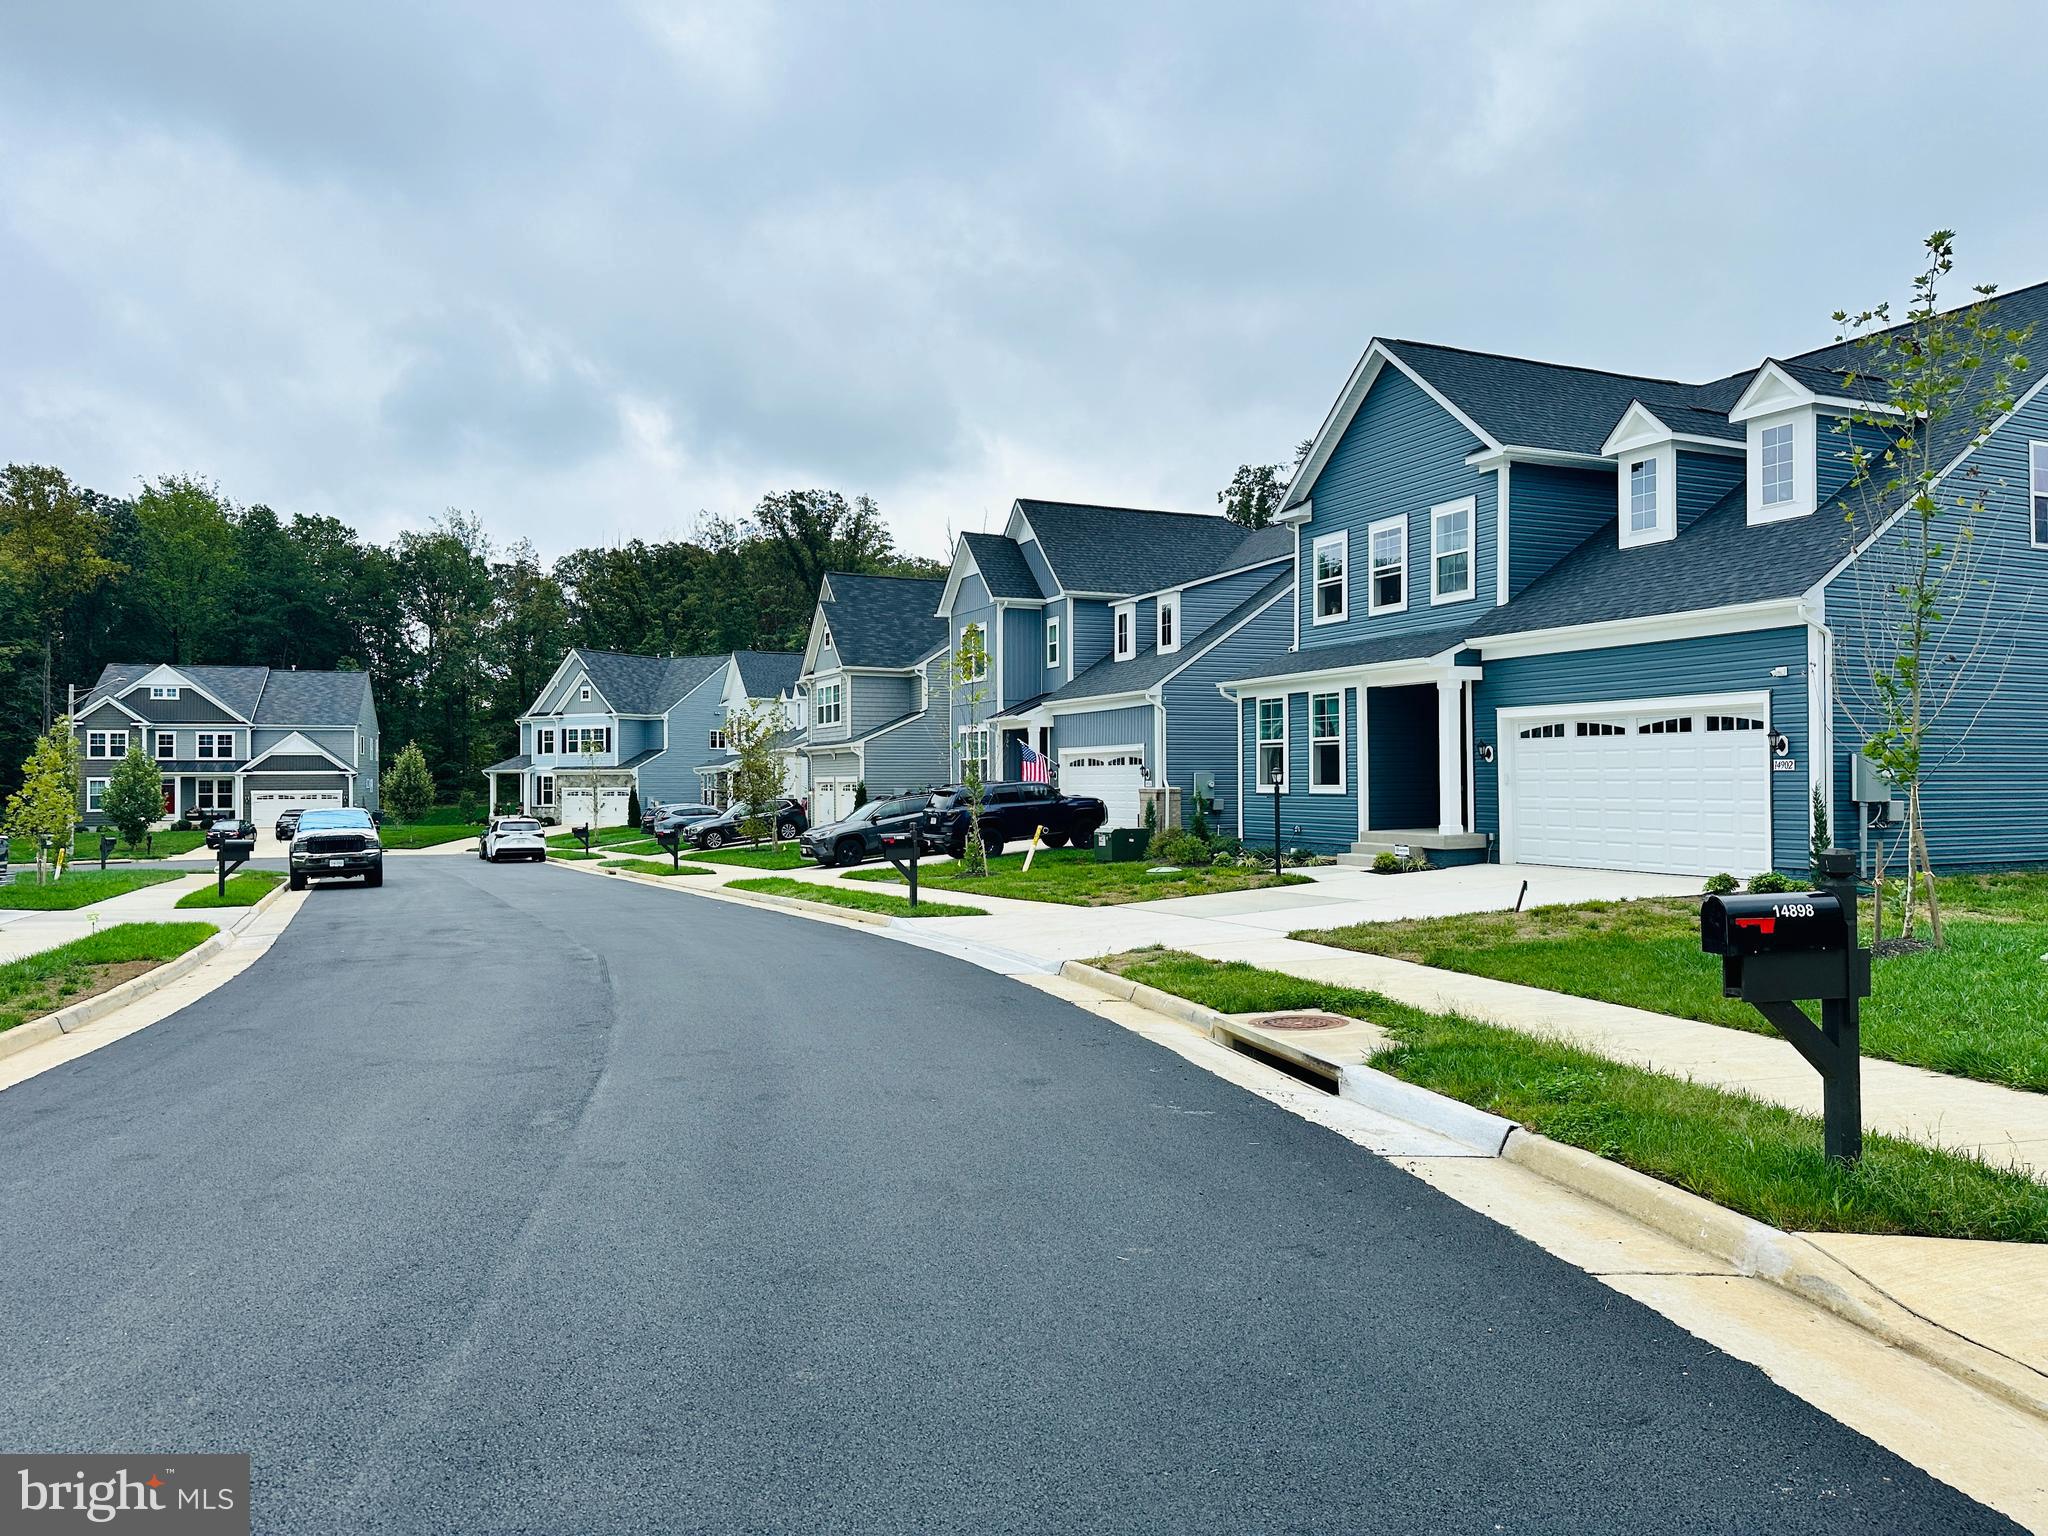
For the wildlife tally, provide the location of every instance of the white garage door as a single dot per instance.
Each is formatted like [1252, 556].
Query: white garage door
[266, 805]
[1667, 791]
[573, 806]
[1114, 778]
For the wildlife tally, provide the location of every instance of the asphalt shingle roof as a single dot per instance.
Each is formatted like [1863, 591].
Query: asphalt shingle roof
[1127, 549]
[884, 621]
[263, 695]
[1002, 565]
[1141, 671]
[511, 764]
[764, 674]
[644, 685]
[1407, 646]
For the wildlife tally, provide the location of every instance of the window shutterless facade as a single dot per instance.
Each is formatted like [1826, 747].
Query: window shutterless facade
[215, 795]
[974, 652]
[1776, 447]
[717, 738]
[1326, 743]
[1331, 565]
[1272, 744]
[161, 691]
[1450, 551]
[1169, 623]
[1052, 644]
[166, 746]
[973, 751]
[106, 743]
[216, 746]
[1388, 585]
[95, 789]
[1126, 631]
[1642, 496]
[827, 703]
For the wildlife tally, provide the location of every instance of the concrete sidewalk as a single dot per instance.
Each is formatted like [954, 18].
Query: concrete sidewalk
[28, 933]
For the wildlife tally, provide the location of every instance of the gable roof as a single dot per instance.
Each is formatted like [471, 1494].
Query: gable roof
[1405, 645]
[260, 695]
[1124, 550]
[1004, 570]
[889, 622]
[644, 685]
[1148, 666]
[765, 674]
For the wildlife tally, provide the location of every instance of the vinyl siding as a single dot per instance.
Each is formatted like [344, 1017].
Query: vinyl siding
[1201, 724]
[1738, 663]
[971, 605]
[1832, 469]
[1319, 823]
[1035, 558]
[1985, 794]
[1091, 633]
[1023, 653]
[190, 705]
[1205, 602]
[1402, 454]
[1704, 481]
[1130, 725]
[915, 755]
[876, 699]
[1551, 512]
[673, 775]
[341, 743]
[368, 776]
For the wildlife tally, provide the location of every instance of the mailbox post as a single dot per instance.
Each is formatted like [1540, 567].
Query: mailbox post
[1778, 950]
[231, 855]
[902, 849]
[106, 848]
[672, 840]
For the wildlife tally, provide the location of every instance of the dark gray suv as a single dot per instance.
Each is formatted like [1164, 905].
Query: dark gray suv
[336, 845]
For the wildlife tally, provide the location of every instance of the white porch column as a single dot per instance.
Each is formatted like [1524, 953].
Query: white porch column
[490, 796]
[1450, 757]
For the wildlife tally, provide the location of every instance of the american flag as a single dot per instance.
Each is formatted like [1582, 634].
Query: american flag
[1032, 766]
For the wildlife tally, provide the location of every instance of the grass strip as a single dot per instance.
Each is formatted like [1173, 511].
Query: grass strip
[1757, 1158]
[243, 890]
[1073, 877]
[603, 837]
[78, 888]
[426, 834]
[576, 854]
[785, 856]
[657, 867]
[843, 896]
[69, 973]
[1972, 1008]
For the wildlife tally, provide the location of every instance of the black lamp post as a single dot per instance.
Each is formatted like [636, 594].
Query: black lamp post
[1279, 778]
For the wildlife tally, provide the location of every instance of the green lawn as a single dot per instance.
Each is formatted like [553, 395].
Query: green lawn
[1974, 1009]
[55, 978]
[603, 837]
[575, 854]
[657, 867]
[426, 834]
[1753, 1157]
[85, 846]
[784, 857]
[844, 896]
[243, 890]
[1073, 878]
[78, 888]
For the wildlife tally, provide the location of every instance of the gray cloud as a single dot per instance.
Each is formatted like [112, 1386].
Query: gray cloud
[641, 259]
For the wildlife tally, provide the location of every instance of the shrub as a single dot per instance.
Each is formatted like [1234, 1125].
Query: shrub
[632, 808]
[1173, 846]
[408, 789]
[1386, 862]
[1722, 884]
[1771, 883]
[860, 793]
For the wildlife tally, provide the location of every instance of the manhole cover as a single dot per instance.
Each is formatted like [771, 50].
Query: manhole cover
[1303, 1021]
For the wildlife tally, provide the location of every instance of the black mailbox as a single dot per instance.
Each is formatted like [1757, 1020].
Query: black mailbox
[236, 850]
[1767, 925]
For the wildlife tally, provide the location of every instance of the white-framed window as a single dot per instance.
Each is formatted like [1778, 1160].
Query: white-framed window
[1331, 569]
[828, 703]
[1387, 583]
[1775, 444]
[1271, 756]
[217, 795]
[216, 746]
[106, 743]
[544, 741]
[583, 693]
[1126, 631]
[976, 653]
[1169, 623]
[2037, 491]
[718, 738]
[163, 691]
[1326, 743]
[1648, 484]
[1450, 551]
[95, 789]
[166, 746]
[597, 738]
[1642, 496]
[544, 789]
[973, 749]
[1052, 644]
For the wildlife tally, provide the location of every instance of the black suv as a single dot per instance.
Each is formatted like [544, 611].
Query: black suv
[854, 837]
[729, 827]
[1009, 814]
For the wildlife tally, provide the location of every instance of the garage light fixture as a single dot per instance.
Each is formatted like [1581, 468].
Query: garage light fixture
[1781, 744]
[1486, 751]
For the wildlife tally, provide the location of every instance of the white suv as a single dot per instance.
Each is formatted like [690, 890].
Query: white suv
[512, 837]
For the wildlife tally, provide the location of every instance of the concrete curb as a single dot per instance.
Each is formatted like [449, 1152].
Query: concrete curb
[64, 1020]
[1750, 1247]
[698, 887]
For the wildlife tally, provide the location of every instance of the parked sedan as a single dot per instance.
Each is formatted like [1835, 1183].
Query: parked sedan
[1010, 813]
[227, 827]
[513, 837]
[729, 826]
[854, 838]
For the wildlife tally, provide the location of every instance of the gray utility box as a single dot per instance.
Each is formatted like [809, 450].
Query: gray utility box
[1869, 785]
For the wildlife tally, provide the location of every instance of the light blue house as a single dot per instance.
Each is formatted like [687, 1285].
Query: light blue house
[609, 725]
[1560, 616]
[1107, 630]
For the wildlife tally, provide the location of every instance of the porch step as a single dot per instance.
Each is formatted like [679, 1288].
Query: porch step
[1427, 842]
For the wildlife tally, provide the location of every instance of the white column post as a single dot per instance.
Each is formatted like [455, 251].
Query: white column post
[490, 796]
[1450, 757]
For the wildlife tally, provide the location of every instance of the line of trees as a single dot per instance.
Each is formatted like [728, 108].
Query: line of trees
[457, 632]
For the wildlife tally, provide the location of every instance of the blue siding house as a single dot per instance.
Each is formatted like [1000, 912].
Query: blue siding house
[1558, 615]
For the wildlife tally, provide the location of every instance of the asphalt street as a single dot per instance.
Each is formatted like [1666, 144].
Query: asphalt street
[510, 1199]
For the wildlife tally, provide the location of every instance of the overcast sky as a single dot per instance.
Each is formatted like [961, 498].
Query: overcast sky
[585, 269]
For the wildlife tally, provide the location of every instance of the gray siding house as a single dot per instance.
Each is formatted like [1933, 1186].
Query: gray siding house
[233, 741]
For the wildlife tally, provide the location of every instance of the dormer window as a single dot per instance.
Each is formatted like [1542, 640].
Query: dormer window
[1169, 623]
[1776, 469]
[1642, 496]
[1126, 631]
[1649, 495]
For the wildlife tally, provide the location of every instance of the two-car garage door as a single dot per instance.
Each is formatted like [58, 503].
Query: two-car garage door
[1666, 790]
[266, 805]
